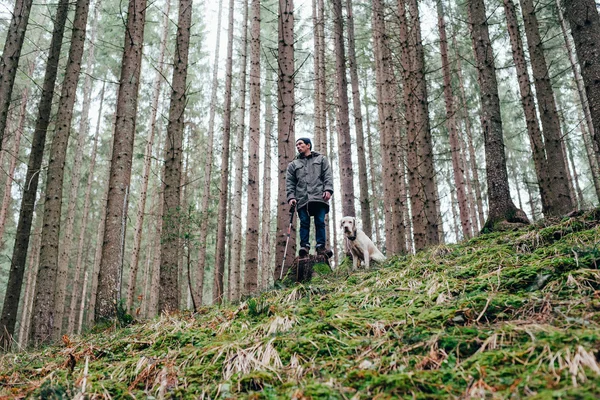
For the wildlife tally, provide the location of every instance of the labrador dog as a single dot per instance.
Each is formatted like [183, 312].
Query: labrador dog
[359, 244]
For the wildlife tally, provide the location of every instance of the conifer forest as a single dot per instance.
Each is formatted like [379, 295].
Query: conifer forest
[144, 144]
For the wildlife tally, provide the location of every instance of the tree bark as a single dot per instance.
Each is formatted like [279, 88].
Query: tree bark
[218, 292]
[343, 125]
[19, 256]
[252, 222]
[11, 54]
[141, 205]
[585, 28]
[501, 206]
[169, 285]
[560, 198]
[235, 265]
[386, 95]
[286, 119]
[528, 104]
[265, 261]
[111, 264]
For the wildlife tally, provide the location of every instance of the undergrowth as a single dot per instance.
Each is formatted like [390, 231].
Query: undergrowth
[504, 315]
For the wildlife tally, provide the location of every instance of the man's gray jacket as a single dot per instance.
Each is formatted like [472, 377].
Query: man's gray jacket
[308, 178]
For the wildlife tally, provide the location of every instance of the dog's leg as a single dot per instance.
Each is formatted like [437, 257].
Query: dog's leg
[355, 262]
[367, 259]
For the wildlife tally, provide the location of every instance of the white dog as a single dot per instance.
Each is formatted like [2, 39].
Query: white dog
[361, 247]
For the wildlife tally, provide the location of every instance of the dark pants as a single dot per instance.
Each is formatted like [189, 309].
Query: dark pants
[318, 211]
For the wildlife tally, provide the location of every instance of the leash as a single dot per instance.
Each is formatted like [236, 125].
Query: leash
[287, 241]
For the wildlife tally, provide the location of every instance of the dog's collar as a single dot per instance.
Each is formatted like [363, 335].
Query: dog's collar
[352, 238]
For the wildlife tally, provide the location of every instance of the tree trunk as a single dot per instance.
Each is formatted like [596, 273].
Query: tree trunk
[141, 205]
[111, 264]
[374, 178]
[321, 81]
[585, 28]
[501, 206]
[30, 286]
[208, 164]
[333, 219]
[48, 306]
[85, 216]
[365, 204]
[528, 104]
[455, 148]
[218, 292]
[252, 222]
[265, 248]
[19, 256]
[9, 61]
[386, 95]
[168, 299]
[286, 119]
[343, 125]
[560, 198]
[235, 265]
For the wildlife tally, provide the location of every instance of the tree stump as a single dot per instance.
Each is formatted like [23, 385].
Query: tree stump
[302, 268]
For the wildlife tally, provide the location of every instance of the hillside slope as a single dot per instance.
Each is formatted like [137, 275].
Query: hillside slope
[505, 315]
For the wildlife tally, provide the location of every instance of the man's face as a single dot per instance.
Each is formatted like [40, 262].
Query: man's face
[302, 147]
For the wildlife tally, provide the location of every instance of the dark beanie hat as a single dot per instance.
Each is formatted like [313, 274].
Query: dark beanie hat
[306, 141]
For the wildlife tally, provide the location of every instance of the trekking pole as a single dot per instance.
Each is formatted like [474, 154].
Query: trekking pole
[287, 241]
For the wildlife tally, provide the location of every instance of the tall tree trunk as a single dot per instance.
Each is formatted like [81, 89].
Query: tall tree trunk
[386, 95]
[19, 256]
[208, 164]
[111, 264]
[286, 119]
[30, 286]
[252, 222]
[374, 178]
[501, 206]
[333, 207]
[561, 202]
[85, 216]
[141, 205]
[528, 104]
[455, 148]
[218, 292]
[11, 54]
[343, 125]
[235, 265]
[48, 306]
[321, 81]
[168, 299]
[585, 28]
[265, 230]
[365, 204]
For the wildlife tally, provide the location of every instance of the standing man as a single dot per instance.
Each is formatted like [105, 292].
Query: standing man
[309, 186]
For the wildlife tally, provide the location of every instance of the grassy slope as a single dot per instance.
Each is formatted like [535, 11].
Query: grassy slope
[505, 314]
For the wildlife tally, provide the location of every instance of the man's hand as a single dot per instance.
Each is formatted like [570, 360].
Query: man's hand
[326, 196]
[292, 203]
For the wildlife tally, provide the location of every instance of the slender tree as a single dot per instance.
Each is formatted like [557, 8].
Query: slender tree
[218, 291]
[561, 201]
[111, 264]
[252, 211]
[141, 205]
[19, 256]
[501, 206]
[265, 229]
[169, 286]
[285, 126]
[365, 204]
[11, 54]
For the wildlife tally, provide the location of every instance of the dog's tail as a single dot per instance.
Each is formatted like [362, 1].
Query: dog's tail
[378, 256]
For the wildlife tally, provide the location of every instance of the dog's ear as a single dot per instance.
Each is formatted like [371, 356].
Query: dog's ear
[342, 223]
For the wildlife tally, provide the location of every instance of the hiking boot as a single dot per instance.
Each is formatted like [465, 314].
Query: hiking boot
[303, 251]
[321, 250]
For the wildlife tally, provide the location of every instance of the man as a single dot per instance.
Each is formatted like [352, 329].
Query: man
[309, 186]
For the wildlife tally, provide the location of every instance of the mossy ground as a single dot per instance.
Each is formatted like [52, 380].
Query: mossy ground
[505, 315]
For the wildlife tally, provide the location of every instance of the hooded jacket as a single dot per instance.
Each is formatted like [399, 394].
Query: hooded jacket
[308, 178]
